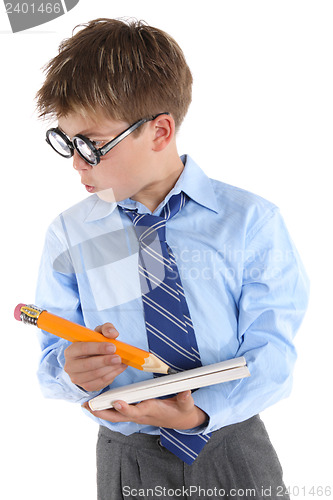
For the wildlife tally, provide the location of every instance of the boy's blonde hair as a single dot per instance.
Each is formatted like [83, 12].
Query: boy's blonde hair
[119, 70]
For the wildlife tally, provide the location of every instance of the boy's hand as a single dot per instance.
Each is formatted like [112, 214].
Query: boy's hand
[178, 412]
[94, 365]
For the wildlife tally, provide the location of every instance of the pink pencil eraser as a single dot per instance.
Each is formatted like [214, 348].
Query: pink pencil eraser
[17, 311]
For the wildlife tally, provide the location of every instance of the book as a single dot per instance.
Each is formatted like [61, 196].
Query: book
[231, 369]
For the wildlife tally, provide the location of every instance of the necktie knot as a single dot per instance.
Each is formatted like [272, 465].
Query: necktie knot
[148, 226]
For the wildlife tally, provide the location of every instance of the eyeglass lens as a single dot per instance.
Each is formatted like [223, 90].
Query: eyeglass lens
[85, 151]
[59, 144]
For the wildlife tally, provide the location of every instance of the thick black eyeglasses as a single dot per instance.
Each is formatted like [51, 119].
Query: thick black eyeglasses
[86, 148]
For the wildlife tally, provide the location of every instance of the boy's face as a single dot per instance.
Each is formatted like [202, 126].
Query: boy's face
[128, 170]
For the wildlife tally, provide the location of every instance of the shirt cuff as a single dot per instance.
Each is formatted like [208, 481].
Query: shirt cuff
[200, 429]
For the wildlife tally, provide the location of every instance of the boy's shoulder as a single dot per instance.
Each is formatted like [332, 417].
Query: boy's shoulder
[225, 198]
[87, 210]
[81, 210]
[241, 207]
[239, 198]
[74, 223]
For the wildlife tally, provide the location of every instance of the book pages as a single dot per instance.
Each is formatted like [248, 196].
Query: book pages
[217, 373]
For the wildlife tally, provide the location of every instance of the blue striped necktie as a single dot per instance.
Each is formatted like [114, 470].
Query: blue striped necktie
[169, 326]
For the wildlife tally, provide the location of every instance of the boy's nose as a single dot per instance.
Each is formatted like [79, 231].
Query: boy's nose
[79, 163]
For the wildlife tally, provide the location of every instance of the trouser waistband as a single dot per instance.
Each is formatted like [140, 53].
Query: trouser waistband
[149, 441]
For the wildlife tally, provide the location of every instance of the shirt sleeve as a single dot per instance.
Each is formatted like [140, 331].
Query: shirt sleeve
[57, 292]
[272, 303]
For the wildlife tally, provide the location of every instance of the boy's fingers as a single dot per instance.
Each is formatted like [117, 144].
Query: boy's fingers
[105, 325]
[108, 330]
[98, 379]
[85, 349]
[129, 412]
[91, 363]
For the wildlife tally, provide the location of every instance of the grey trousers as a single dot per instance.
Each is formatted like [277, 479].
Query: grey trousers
[238, 462]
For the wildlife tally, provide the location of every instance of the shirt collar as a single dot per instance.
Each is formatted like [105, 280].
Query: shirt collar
[100, 209]
[192, 181]
[196, 184]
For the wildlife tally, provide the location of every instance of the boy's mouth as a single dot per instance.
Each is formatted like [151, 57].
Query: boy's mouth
[90, 189]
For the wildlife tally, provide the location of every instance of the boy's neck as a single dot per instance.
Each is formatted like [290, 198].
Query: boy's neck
[158, 190]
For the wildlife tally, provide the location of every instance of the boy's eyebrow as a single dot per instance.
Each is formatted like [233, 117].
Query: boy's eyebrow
[88, 134]
[61, 130]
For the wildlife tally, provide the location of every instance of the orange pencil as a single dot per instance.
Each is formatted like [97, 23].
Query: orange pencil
[132, 356]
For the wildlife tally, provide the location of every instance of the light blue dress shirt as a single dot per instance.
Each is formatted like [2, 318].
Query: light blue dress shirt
[244, 282]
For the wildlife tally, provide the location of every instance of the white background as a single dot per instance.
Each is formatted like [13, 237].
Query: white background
[261, 119]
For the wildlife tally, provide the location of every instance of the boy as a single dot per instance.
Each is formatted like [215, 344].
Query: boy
[221, 257]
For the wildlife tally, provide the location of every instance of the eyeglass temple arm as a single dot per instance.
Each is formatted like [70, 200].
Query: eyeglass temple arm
[128, 131]
[122, 136]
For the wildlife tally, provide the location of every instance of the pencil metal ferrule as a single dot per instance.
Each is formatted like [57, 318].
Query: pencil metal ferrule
[30, 314]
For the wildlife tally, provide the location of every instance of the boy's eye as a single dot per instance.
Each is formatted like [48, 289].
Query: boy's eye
[97, 144]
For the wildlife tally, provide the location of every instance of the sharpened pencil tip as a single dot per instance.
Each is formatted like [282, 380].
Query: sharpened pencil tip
[171, 371]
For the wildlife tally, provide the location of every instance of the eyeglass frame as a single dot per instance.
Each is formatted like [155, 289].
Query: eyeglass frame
[97, 152]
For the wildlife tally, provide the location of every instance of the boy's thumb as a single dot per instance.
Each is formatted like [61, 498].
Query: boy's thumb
[108, 330]
[185, 398]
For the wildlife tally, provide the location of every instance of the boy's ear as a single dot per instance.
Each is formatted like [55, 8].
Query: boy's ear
[163, 131]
